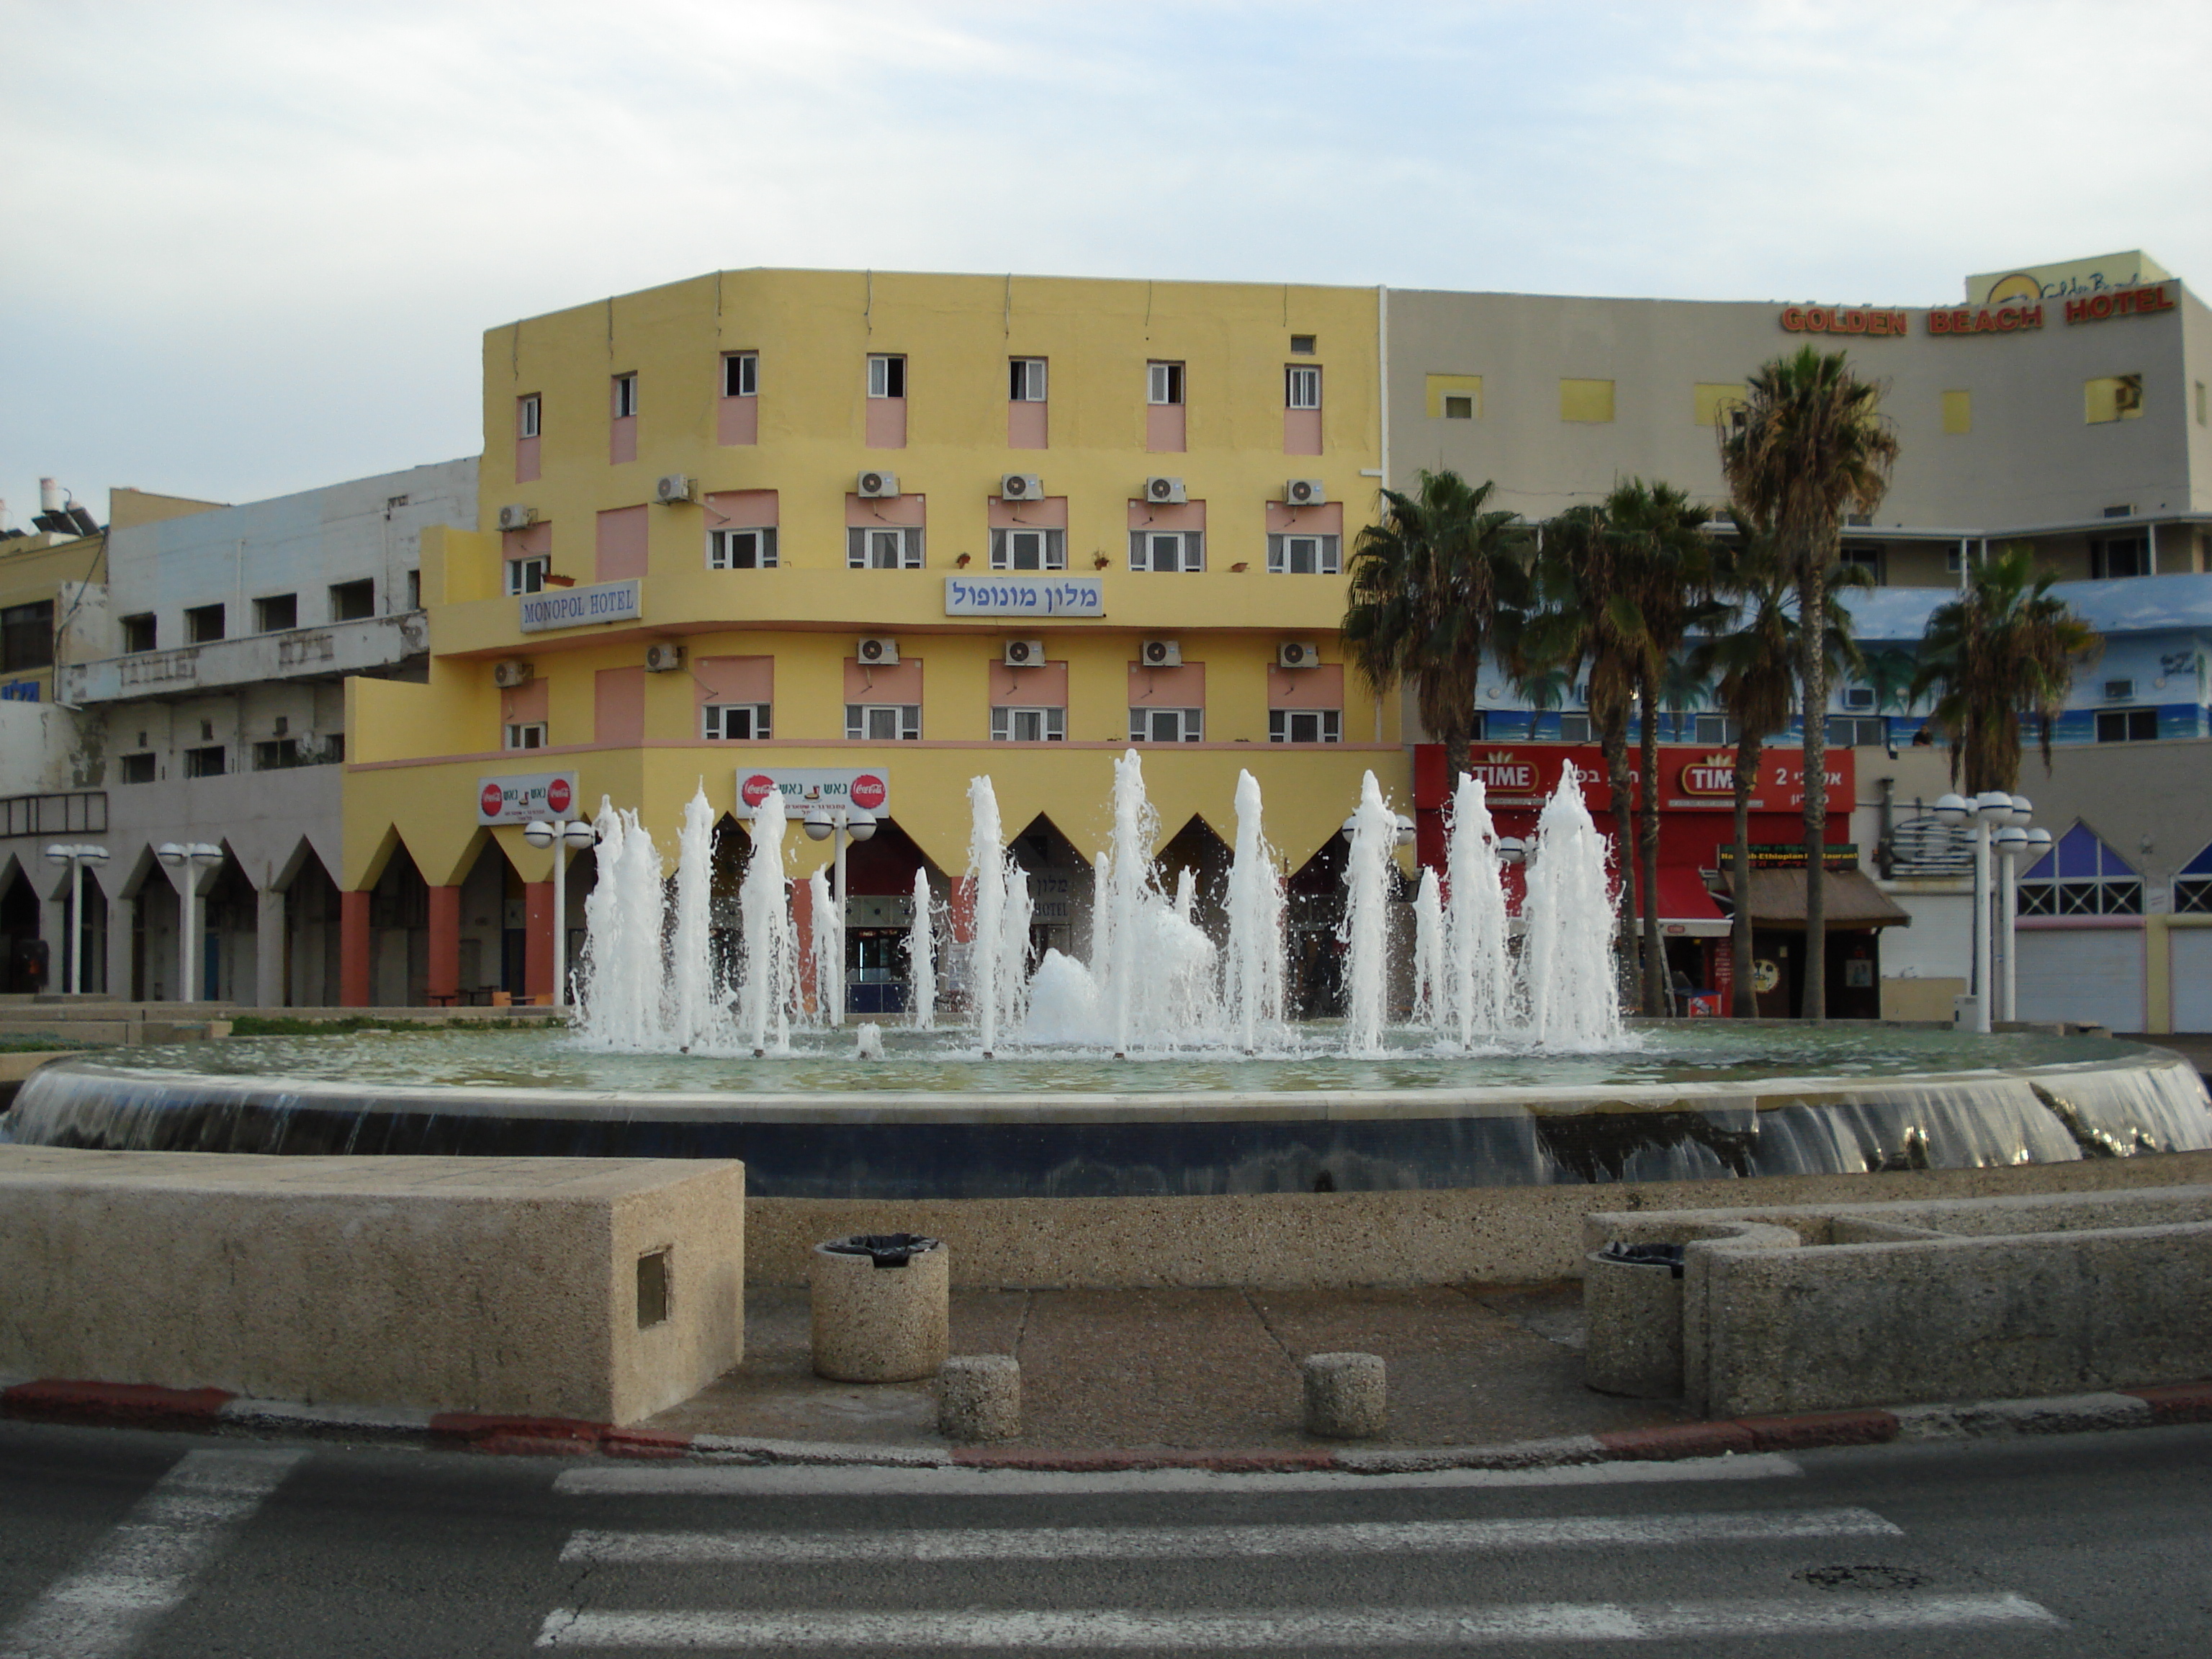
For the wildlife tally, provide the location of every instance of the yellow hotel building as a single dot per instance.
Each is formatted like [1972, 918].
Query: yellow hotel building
[926, 526]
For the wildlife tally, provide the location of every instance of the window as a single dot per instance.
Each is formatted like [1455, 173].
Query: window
[1957, 413]
[1028, 379]
[353, 601]
[625, 396]
[2120, 556]
[526, 416]
[277, 613]
[1167, 726]
[528, 575]
[1164, 383]
[1028, 726]
[1589, 401]
[278, 755]
[2081, 877]
[1574, 729]
[1455, 396]
[526, 734]
[2192, 887]
[1303, 555]
[738, 722]
[1029, 550]
[2112, 397]
[1863, 556]
[1301, 388]
[887, 377]
[1304, 345]
[1305, 725]
[741, 549]
[203, 624]
[203, 762]
[1856, 731]
[2127, 726]
[27, 635]
[1712, 399]
[137, 768]
[139, 632]
[414, 590]
[1458, 406]
[741, 374]
[1713, 729]
[1167, 550]
[879, 722]
[893, 548]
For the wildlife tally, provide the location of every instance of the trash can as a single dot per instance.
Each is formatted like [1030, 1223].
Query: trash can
[881, 1307]
[1632, 1302]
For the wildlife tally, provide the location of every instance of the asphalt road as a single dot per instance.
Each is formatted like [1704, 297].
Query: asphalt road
[114, 1542]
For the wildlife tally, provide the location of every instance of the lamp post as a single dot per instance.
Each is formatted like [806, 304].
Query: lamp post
[76, 856]
[189, 857]
[560, 834]
[1990, 810]
[847, 824]
[2018, 845]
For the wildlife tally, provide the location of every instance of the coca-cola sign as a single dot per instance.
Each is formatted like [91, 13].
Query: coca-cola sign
[868, 789]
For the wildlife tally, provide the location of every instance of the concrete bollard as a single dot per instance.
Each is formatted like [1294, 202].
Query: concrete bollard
[980, 1397]
[882, 1305]
[1347, 1397]
[1633, 1316]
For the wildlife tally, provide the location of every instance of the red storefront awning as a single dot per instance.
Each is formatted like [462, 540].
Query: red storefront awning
[1685, 906]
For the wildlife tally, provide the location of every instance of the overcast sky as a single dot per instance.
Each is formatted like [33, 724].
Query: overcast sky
[253, 248]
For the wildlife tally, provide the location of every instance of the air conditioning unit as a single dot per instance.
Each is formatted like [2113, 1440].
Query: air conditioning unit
[517, 517]
[1298, 653]
[1305, 492]
[511, 674]
[878, 653]
[670, 487]
[1859, 699]
[1164, 492]
[877, 486]
[1162, 654]
[1021, 486]
[2119, 691]
[663, 659]
[1024, 653]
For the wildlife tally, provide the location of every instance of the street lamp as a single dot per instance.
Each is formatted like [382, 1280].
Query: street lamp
[189, 857]
[2021, 849]
[1991, 810]
[560, 834]
[847, 824]
[76, 856]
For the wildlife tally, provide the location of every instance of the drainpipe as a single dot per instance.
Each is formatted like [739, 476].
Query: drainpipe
[1885, 851]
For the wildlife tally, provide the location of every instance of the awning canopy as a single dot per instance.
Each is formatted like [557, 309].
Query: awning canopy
[1685, 907]
[1777, 899]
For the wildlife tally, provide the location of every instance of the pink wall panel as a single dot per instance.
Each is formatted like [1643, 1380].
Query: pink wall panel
[887, 423]
[735, 679]
[1027, 426]
[899, 683]
[1050, 514]
[863, 512]
[618, 706]
[525, 703]
[621, 542]
[1326, 520]
[1302, 432]
[1190, 515]
[525, 460]
[1306, 687]
[1042, 687]
[1167, 688]
[622, 439]
[525, 543]
[745, 509]
[1163, 428]
[738, 421]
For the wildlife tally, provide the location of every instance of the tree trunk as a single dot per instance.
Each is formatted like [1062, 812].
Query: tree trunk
[1615, 744]
[1744, 1003]
[1657, 982]
[1457, 744]
[1813, 677]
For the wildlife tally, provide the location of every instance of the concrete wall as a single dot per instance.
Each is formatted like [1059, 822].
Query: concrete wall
[498, 1285]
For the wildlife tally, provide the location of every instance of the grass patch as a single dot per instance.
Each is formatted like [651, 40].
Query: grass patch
[39, 1045]
[273, 1026]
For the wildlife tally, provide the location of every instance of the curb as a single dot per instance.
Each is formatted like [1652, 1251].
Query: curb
[145, 1406]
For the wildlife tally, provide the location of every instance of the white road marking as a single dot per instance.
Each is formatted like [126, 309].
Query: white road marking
[1556, 1621]
[749, 1480]
[1139, 1543]
[148, 1564]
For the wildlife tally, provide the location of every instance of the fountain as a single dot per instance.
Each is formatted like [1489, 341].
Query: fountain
[1161, 1061]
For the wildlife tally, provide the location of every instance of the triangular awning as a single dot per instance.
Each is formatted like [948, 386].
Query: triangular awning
[1777, 899]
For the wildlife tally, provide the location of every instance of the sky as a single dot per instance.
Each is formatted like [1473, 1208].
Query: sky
[253, 248]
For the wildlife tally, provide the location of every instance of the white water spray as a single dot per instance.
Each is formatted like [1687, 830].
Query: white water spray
[693, 1011]
[768, 981]
[1567, 946]
[1366, 931]
[1428, 985]
[1477, 967]
[1252, 983]
[987, 878]
[921, 958]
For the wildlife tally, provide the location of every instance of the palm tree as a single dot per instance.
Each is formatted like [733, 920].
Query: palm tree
[1806, 447]
[1430, 585]
[1754, 666]
[2001, 650]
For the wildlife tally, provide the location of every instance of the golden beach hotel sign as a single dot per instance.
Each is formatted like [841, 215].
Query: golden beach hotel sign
[2018, 315]
[579, 607]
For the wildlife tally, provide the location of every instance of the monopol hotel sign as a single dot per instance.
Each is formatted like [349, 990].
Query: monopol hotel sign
[1024, 596]
[579, 607]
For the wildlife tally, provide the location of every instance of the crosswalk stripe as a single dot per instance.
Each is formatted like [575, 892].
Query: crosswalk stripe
[147, 1564]
[1134, 1543]
[1554, 1621]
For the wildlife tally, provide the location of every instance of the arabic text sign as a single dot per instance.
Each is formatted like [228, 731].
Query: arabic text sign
[1032, 596]
[579, 607]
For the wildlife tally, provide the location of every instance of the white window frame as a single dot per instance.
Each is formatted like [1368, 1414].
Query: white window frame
[722, 548]
[880, 374]
[524, 734]
[1191, 723]
[1164, 384]
[1327, 555]
[864, 542]
[530, 411]
[741, 374]
[1301, 386]
[1027, 379]
[907, 716]
[1142, 548]
[1050, 725]
[625, 396]
[528, 575]
[1283, 724]
[714, 722]
[1464, 400]
[1051, 549]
